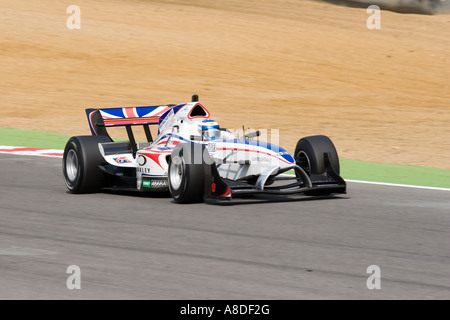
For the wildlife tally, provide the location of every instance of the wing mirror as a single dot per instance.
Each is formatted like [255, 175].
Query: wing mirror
[252, 135]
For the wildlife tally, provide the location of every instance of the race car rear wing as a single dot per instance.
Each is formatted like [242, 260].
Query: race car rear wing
[100, 119]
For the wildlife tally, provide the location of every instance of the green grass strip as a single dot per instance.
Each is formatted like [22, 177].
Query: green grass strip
[393, 173]
[32, 139]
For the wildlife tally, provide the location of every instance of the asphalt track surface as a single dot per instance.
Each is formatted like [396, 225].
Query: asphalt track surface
[130, 246]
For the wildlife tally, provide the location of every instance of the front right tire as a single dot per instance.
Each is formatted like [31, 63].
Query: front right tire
[310, 156]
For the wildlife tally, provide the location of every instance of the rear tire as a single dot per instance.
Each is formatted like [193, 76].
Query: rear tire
[81, 162]
[309, 154]
[186, 173]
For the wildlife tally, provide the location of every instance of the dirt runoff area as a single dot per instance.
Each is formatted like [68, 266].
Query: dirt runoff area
[303, 67]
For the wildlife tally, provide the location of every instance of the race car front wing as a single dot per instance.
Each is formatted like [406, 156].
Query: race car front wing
[275, 181]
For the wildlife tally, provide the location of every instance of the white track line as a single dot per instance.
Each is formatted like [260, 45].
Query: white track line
[398, 185]
[388, 184]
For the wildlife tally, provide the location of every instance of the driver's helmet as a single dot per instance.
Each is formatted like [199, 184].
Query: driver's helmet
[210, 129]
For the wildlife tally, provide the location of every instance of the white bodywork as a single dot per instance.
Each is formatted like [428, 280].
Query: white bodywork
[236, 158]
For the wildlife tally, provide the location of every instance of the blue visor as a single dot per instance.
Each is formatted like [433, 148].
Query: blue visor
[210, 126]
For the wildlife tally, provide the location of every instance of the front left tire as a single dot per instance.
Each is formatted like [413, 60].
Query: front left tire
[186, 172]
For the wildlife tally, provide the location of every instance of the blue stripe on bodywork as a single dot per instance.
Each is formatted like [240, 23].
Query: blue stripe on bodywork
[180, 137]
[175, 110]
[269, 146]
[164, 115]
[288, 157]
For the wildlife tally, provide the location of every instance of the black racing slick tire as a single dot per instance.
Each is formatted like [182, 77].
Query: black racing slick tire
[309, 154]
[81, 162]
[186, 172]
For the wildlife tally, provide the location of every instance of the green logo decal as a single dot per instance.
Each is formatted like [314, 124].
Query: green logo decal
[147, 184]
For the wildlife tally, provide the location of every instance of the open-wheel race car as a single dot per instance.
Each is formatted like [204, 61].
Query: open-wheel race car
[193, 158]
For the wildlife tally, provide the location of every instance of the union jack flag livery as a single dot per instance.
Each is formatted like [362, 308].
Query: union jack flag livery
[124, 116]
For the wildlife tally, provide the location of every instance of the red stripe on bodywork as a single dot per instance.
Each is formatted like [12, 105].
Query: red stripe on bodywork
[154, 155]
[130, 121]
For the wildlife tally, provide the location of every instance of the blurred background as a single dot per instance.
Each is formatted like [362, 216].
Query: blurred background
[303, 67]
